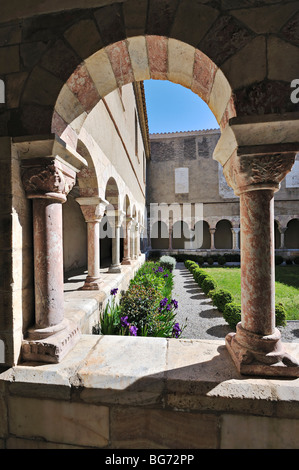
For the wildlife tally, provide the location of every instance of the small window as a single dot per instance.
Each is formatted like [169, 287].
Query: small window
[181, 180]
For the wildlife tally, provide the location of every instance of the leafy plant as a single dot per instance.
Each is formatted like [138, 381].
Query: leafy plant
[110, 319]
[168, 262]
[208, 285]
[232, 314]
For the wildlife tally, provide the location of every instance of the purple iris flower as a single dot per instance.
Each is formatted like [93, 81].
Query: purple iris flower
[133, 330]
[176, 330]
[113, 291]
[124, 321]
[175, 303]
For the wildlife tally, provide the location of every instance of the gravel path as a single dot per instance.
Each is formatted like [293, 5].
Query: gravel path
[203, 319]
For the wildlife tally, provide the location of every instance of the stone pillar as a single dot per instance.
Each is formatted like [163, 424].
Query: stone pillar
[235, 232]
[47, 181]
[132, 239]
[115, 220]
[137, 241]
[170, 228]
[256, 347]
[282, 231]
[127, 241]
[212, 232]
[93, 210]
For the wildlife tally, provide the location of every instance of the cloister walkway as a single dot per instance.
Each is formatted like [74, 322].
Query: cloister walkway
[204, 321]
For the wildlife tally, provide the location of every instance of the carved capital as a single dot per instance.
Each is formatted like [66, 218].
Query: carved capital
[93, 208]
[250, 173]
[47, 178]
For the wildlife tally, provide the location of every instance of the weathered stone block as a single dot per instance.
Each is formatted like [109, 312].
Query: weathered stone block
[14, 87]
[180, 62]
[257, 432]
[135, 12]
[9, 59]
[77, 424]
[92, 40]
[139, 60]
[110, 22]
[101, 72]
[192, 21]
[133, 428]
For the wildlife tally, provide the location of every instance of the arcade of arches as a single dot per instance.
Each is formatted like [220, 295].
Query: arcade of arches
[74, 149]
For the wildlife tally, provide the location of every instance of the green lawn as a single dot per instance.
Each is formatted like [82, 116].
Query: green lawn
[286, 285]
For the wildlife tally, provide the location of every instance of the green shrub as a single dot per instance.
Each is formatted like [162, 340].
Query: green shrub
[280, 315]
[296, 260]
[232, 314]
[221, 297]
[199, 274]
[221, 260]
[289, 261]
[201, 277]
[210, 261]
[140, 304]
[200, 260]
[208, 284]
[168, 262]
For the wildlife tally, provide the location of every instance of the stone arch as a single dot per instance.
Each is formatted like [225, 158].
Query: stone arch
[139, 58]
[206, 236]
[112, 193]
[292, 234]
[223, 235]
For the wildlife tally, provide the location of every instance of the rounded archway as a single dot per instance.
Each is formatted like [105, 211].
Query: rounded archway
[223, 235]
[292, 235]
[139, 58]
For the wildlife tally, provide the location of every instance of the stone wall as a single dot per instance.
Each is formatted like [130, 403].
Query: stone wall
[168, 394]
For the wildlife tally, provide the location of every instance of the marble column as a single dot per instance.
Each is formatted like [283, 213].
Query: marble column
[47, 181]
[127, 241]
[132, 239]
[256, 347]
[115, 221]
[235, 233]
[137, 240]
[93, 210]
[282, 231]
[212, 232]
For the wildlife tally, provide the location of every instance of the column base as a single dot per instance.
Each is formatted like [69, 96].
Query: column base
[126, 261]
[115, 269]
[92, 283]
[260, 355]
[50, 345]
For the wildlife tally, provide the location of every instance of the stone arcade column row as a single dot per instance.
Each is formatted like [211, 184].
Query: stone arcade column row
[47, 181]
[256, 347]
[93, 210]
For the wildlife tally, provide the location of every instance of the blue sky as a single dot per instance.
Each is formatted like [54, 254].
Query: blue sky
[173, 108]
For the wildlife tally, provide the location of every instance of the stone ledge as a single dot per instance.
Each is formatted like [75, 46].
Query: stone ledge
[183, 375]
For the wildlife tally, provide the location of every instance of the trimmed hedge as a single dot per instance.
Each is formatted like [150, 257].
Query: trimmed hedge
[220, 298]
[224, 300]
[208, 285]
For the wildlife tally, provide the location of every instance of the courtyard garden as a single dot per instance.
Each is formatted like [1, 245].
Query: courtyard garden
[223, 285]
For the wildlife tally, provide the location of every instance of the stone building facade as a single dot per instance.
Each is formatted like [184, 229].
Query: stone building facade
[182, 172]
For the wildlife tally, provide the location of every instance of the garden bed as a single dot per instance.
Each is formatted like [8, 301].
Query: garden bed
[146, 308]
